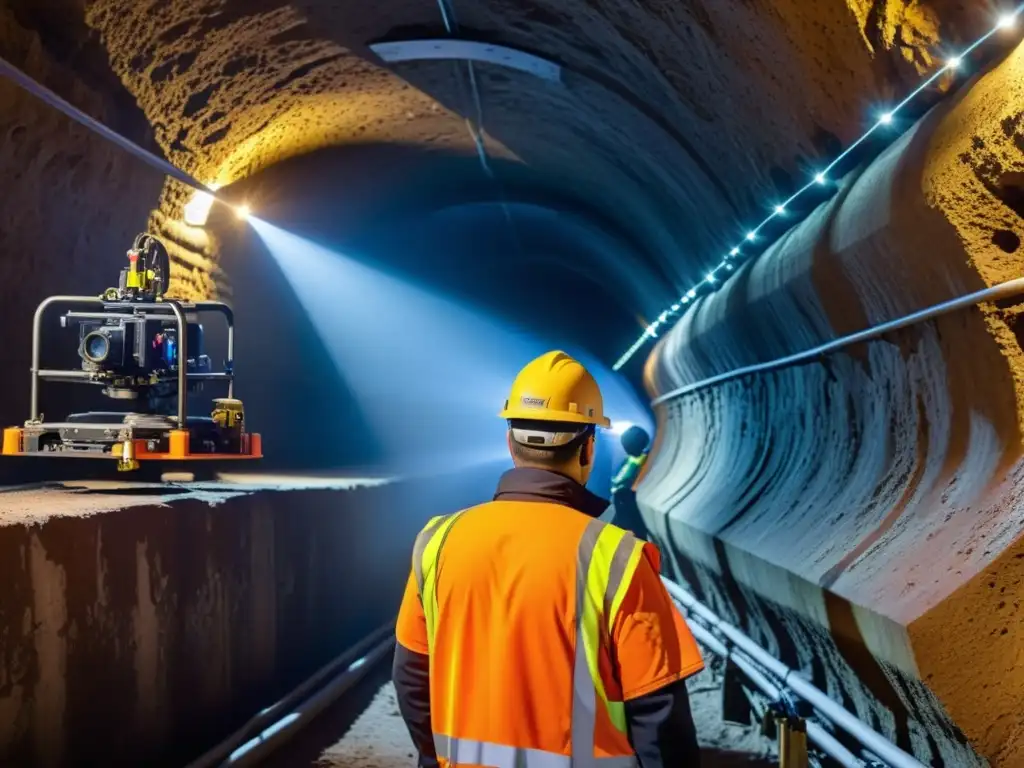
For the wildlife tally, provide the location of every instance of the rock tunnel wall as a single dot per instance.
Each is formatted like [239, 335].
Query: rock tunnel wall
[71, 203]
[862, 516]
[140, 628]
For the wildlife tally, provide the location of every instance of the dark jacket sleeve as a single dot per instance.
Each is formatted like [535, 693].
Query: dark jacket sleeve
[411, 675]
[661, 728]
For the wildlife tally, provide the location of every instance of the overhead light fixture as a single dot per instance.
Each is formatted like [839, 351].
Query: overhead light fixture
[821, 178]
[886, 118]
[780, 209]
[1007, 20]
[243, 212]
[953, 63]
[734, 252]
[751, 236]
[197, 209]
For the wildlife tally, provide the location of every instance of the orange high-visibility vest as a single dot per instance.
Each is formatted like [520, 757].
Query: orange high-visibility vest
[521, 603]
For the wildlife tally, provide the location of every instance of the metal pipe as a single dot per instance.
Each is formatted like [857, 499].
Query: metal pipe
[182, 363]
[19, 78]
[849, 722]
[37, 321]
[266, 719]
[995, 293]
[229, 317]
[825, 740]
[256, 750]
[56, 373]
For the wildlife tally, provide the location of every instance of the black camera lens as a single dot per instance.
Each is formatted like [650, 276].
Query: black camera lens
[96, 347]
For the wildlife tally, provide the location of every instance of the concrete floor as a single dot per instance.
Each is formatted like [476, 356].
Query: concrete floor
[378, 739]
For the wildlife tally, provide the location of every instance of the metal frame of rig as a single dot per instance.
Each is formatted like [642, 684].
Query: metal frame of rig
[138, 345]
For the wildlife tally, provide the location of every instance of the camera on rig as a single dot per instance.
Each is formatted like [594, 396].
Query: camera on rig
[138, 345]
[137, 353]
[133, 352]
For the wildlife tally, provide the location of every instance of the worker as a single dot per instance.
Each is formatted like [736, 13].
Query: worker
[626, 511]
[532, 634]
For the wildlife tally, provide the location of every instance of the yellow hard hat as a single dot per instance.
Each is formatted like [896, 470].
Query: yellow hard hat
[555, 387]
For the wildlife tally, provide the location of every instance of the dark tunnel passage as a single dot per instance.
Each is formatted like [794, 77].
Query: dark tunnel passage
[401, 306]
[438, 194]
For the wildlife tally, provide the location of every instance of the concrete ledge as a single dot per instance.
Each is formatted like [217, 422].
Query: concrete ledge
[140, 626]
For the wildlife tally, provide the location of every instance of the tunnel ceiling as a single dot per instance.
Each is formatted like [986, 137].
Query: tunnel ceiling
[676, 120]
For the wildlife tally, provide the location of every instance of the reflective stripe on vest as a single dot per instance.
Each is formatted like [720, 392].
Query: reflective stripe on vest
[426, 554]
[606, 558]
[469, 752]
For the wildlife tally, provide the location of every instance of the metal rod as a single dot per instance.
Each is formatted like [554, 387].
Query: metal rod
[37, 321]
[849, 722]
[18, 77]
[261, 722]
[995, 293]
[54, 373]
[182, 363]
[229, 317]
[825, 740]
[256, 750]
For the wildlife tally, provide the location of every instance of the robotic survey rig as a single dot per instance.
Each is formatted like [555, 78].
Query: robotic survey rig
[143, 348]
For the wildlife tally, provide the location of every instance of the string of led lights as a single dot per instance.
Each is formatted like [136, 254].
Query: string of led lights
[820, 178]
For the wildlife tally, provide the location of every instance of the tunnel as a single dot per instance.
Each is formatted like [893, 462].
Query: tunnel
[405, 202]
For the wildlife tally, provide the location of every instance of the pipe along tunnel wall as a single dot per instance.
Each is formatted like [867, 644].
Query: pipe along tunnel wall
[862, 516]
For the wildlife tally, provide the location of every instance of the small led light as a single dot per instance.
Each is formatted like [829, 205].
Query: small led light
[692, 293]
[751, 236]
[1007, 20]
[734, 252]
[953, 63]
[663, 317]
[711, 278]
[243, 212]
[821, 178]
[780, 209]
[885, 119]
[675, 307]
[728, 267]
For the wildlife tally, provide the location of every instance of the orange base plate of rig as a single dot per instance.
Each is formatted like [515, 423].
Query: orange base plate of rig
[251, 447]
[138, 346]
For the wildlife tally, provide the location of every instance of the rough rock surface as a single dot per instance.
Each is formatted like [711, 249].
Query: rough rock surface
[71, 203]
[863, 516]
[231, 87]
[187, 609]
